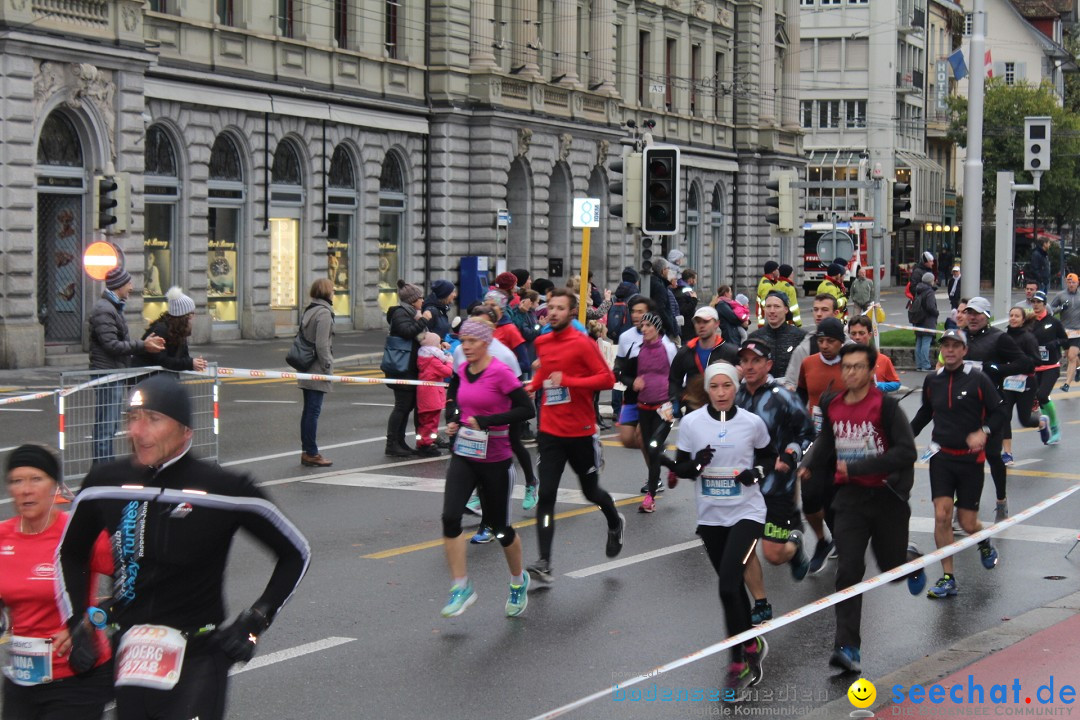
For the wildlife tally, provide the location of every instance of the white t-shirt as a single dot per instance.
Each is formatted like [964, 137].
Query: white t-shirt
[722, 500]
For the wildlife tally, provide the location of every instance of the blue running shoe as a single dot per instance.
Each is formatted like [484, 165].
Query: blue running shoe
[848, 658]
[916, 581]
[529, 501]
[1008, 459]
[799, 562]
[483, 536]
[1055, 435]
[821, 556]
[761, 612]
[460, 599]
[989, 554]
[1044, 429]
[944, 587]
[473, 506]
[519, 597]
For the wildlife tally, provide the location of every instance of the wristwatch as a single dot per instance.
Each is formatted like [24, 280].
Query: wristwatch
[985, 429]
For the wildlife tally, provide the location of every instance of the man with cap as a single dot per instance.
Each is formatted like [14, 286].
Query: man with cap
[438, 303]
[833, 284]
[1040, 263]
[781, 335]
[824, 307]
[995, 353]
[172, 518]
[967, 411]
[112, 348]
[925, 265]
[923, 313]
[787, 285]
[766, 285]
[820, 379]
[686, 381]
[791, 433]
[1066, 305]
[954, 288]
[664, 298]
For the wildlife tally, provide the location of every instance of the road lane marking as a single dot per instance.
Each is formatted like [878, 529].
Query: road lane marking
[291, 654]
[15, 409]
[633, 559]
[1029, 461]
[374, 404]
[394, 552]
[278, 402]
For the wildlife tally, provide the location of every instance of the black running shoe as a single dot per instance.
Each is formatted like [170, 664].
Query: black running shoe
[615, 538]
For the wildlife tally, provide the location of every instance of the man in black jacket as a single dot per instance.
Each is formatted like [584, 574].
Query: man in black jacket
[866, 448]
[688, 367]
[1040, 264]
[171, 518]
[781, 335]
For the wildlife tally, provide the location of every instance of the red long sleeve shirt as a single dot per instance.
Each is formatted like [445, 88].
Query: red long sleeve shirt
[584, 372]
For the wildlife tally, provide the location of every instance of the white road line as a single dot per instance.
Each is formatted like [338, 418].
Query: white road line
[275, 456]
[275, 402]
[374, 404]
[1029, 461]
[291, 653]
[13, 409]
[633, 559]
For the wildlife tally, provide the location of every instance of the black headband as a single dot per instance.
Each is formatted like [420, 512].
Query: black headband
[35, 456]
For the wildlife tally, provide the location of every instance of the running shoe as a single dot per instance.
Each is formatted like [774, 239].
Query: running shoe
[1044, 429]
[834, 553]
[988, 554]
[944, 587]
[916, 581]
[754, 659]
[519, 597]
[427, 451]
[799, 562]
[541, 571]
[1076, 375]
[442, 443]
[460, 599]
[648, 504]
[1065, 387]
[645, 489]
[527, 433]
[821, 556]
[957, 530]
[847, 657]
[1055, 435]
[473, 506]
[529, 501]
[762, 612]
[1008, 459]
[615, 538]
[483, 536]
[739, 677]
[1001, 511]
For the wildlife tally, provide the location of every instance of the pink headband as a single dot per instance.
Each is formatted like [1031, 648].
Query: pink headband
[480, 331]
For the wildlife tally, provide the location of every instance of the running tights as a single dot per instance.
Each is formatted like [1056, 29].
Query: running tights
[729, 548]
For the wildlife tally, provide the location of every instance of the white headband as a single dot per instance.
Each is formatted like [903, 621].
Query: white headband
[721, 368]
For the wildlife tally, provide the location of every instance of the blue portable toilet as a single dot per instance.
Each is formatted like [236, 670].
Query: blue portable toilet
[475, 280]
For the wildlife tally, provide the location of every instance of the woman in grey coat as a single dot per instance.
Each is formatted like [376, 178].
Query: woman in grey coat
[317, 327]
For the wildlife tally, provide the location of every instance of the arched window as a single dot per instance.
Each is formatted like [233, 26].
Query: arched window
[286, 167]
[341, 203]
[59, 143]
[693, 229]
[718, 226]
[161, 192]
[286, 212]
[391, 229]
[226, 191]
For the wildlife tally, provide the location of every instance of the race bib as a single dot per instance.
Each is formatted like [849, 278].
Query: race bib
[555, 394]
[1044, 353]
[1072, 334]
[816, 415]
[850, 449]
[931, 450]
[719, 483]
[1015, 383]
[150, 656]
[31, 661]
[471, 443]
[973, 364]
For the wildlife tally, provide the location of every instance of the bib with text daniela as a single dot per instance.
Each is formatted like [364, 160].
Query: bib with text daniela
[31, 661]
[150, 656]
[719, 484]
[471, 443]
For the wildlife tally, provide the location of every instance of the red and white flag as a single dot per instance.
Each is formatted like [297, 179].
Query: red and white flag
[989, 64]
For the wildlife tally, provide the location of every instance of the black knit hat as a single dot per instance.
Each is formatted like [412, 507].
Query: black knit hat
[164, 394]
[35, 456]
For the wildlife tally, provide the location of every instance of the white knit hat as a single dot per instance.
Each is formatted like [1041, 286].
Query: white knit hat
[179, 303]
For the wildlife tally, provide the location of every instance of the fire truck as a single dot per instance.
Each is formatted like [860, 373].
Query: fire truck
[825, 242]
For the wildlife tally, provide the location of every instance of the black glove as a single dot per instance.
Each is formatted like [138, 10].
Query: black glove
[84, 648]
[238, 640]
[750, 476]
[788, 458]
[692, 467]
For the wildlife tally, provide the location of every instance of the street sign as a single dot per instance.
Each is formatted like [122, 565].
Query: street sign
[586, 213]
[100, 257]
[503, 218]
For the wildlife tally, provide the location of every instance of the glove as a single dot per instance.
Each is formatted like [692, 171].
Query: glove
[788, 458]
[84, 649]
[692, 468]
[238, 640]
[750, 476]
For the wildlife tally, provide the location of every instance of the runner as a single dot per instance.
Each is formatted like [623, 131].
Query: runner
[1019, 391]
[483, 401]
[1051, 336]
[686, 382]
[1067, 304]
[967, 410]
[824, 307]
[791, 433]
[40, 682]
[730, 449]
[866, 449]
[172, 519]
[860, 330]
[651, 385]
[571, 370]
[781, 335]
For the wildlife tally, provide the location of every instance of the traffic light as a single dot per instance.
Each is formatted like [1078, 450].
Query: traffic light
[897, 203]
[629, 187]
[105, 202]
[660, 190]
[784, 200]
[1037, 144]
[646, 253]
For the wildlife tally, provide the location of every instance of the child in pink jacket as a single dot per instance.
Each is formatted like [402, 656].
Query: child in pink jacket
[434, 365]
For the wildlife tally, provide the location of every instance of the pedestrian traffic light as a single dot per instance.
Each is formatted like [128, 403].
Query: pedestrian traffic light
[1037, 144]
[897, 203]
[784, 218]
[646, 253]
[626, 182]
[105, 202]
[660, 190]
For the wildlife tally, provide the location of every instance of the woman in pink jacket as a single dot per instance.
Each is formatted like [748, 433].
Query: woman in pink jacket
[435, 366]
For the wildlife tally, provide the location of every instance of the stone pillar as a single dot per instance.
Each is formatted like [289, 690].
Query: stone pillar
[789, 119]
[483, 35]
[565, 42]
[602, 57]
[524, 18]
[770, 99]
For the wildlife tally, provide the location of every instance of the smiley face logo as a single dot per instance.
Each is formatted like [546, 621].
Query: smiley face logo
[862, 693]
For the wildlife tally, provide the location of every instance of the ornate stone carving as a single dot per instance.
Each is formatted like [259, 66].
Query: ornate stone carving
[700, 9]
[725, 17]
[18, 4]
[81, 85]
[602, 151]
[524, 138]
[565, 140]
[131, 18]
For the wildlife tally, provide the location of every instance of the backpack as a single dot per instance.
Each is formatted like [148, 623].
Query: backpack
[618, 321]
[916, 313]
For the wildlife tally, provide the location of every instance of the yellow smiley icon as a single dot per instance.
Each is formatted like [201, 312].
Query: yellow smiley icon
[862, 693]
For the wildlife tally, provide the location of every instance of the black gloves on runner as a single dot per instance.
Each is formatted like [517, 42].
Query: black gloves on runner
[238, 640]
[788, 458]
[691, 467]
[84, 649]
[750, 476]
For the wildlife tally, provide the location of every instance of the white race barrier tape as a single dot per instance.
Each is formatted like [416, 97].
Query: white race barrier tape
[348, 379]
[27, 398]
[819, 605]
[113, 377]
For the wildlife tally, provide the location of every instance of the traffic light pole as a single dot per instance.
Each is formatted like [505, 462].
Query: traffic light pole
[1005, 238]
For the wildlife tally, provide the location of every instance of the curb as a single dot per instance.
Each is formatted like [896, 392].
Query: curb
[966, 652]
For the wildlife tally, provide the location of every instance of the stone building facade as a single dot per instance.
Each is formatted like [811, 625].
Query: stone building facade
[369, 140]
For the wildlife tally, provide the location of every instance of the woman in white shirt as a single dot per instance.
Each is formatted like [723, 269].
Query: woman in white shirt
[729, 449]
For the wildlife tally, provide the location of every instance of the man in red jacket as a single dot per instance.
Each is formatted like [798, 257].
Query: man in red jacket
[571, 371]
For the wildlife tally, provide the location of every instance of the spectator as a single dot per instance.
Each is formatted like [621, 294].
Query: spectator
[433, 364]
[767, 284]
[317, 327]
[954, 288]
[784, 282]
[442, 296]
[728, 312]
[666, 307]
[524, 280]
[406, 322]
[1040, 264]
[174, 325]
[923, 313]
[687, 299]
[861, 292]
[630, 275]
